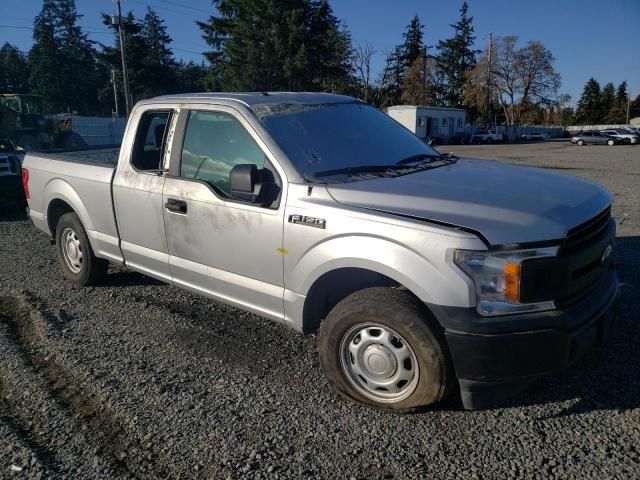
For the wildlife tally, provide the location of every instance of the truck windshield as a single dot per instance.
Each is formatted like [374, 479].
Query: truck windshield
[321, 138]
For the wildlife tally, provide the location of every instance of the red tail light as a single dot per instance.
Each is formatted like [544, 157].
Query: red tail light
[25, 182]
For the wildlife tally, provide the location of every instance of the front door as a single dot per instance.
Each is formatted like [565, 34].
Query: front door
[226, 249]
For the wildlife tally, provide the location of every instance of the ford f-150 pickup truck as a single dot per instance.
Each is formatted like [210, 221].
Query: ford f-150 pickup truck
[423, 273]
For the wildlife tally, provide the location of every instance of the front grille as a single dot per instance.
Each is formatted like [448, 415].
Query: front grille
[583, 250]
[580, 236]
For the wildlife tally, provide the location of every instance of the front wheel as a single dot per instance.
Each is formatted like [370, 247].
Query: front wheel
[610, 142]
[580, 143]
[75, 255]
[380, 347]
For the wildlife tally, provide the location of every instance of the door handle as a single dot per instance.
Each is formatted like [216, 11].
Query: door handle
[176, 206]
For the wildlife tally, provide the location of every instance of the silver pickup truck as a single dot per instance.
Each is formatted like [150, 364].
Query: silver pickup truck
[423, 273]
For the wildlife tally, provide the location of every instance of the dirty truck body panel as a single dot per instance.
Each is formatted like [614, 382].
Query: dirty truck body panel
[307, 233]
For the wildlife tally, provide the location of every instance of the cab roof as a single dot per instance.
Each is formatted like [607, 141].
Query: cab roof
[250, 99]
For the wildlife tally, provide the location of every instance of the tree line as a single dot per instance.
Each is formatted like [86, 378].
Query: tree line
[606, 105]
[74, 74]
[257, 45]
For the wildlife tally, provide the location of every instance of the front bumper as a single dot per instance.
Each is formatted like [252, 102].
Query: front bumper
[499, 356]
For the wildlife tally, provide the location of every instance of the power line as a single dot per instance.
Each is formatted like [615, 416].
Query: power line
[165, 9]
[185, 6]
[24, 27]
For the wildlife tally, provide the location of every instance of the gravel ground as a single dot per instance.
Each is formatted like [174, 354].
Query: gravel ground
[136, 379]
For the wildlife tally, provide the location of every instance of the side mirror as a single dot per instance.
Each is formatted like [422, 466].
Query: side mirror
[252, 185]
[243, 180]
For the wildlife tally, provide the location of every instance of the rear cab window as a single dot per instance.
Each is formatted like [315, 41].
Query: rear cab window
[151, 140]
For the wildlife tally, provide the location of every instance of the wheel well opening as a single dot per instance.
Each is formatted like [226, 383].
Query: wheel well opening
[332, 287]
[56, 209]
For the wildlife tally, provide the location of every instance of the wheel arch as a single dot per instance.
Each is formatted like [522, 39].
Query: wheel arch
[334, 286]
[61, 199]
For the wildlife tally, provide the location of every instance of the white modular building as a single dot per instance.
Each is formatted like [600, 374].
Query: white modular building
[444, 125]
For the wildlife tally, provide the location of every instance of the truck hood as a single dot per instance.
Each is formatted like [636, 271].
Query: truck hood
[505, 203]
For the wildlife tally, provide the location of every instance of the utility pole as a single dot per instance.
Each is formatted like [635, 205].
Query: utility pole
[628, 106]
[123, 54]
[115, 91]
[424, 76]
[488, 105]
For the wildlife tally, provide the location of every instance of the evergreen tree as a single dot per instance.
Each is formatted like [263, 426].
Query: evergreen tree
[589, 107]
[45, 62]
[13, 70]
[79, 73]
[158, 70]
[401, 71]
[413, 46]
[456, 57]
[190, 77]
[62, 66]
[136, 48]
[617, 114]
[607, 103]
[277, 44]
[621, 93]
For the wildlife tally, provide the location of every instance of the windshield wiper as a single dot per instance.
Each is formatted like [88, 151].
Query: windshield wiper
[425, 156]
[353, 170]
[403, 167]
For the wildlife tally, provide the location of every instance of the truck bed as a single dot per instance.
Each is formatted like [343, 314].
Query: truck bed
[82, 180]
[99, 157]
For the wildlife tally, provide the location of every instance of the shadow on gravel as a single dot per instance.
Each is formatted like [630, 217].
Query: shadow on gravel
[608, 379]
[127, 279]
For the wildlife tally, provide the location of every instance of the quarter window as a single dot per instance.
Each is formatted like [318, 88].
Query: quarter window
[150, 142]
[214, 143]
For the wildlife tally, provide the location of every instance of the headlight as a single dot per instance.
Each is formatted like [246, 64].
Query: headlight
[497, 278]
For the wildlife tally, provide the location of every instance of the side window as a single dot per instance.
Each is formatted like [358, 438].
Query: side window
[151, 139]
[459, 122]
[445, 122]
[214, 143]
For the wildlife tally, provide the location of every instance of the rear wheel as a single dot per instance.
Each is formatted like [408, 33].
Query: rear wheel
[610, 142]
[380, 347]
[580, 142]
[75, 255]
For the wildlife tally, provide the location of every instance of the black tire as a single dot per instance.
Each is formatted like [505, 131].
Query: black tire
[610, 142]
[90, 269]
[580, 143]
[402, 313]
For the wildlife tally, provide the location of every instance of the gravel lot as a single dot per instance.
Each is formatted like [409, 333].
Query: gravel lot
[139, 379]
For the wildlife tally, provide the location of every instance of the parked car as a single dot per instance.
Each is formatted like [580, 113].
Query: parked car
[11, 194]
[621, 134]
[595, 137]
[535, 136]
[486, 136]
[423, 273]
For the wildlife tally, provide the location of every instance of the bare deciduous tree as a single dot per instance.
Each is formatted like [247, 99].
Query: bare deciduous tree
[361, 64]
[522, 77]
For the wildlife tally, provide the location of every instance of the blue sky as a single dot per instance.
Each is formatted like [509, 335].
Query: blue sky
[588, 37]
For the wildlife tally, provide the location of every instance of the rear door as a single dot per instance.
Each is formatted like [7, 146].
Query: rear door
[598, 138]
[137, 194]
[223, 248]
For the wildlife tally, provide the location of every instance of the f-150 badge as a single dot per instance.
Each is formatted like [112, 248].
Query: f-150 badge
[308, 221]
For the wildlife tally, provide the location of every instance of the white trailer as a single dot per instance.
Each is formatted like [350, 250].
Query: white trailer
[444, 125]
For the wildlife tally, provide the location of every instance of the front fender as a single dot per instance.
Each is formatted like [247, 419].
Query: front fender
[431, 281]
